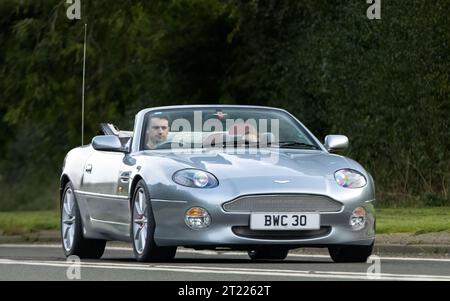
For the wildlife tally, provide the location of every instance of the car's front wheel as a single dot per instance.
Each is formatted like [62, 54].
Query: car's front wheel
[268, 253]
[71, 229]
[143, 229]
[350, 253]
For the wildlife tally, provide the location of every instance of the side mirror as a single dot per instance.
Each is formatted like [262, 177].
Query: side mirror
[108, 143]
[336, 143]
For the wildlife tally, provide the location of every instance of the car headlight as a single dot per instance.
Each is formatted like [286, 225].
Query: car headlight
[195, 178]
[350, 178]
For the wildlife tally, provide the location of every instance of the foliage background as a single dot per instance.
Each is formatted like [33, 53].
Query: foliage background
[384, 83]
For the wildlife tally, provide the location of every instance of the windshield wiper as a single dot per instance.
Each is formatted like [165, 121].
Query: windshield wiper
[294, 144]
[236, 143]
[281, 144]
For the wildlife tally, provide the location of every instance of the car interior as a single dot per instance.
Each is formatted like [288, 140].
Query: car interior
[107, 129]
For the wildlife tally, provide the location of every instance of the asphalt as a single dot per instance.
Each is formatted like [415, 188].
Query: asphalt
[46, 262]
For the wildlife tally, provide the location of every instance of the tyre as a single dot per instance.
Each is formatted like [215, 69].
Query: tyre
[143, 229]
[350, 253]
[268, 253]
[73, 242]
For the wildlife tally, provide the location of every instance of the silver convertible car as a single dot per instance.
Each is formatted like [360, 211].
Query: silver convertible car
[216, 177]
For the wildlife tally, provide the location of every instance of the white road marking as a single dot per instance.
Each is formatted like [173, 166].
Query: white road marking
[235, 271]
[230, 253]
[315, 272]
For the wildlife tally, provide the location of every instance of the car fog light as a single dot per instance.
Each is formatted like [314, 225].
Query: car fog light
[358, 219]
[197, 218]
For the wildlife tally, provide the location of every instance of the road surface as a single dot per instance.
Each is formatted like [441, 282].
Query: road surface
[46, 262]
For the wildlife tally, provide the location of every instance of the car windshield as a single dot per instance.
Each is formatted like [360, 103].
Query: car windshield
[223, 127]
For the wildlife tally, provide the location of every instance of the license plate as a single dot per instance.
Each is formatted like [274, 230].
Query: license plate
[284, 221]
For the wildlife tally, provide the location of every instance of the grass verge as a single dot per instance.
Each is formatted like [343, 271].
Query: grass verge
[18, 223]
[389, 220]
[413, 220]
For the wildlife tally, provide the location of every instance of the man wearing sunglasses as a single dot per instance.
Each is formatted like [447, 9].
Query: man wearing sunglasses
[157, 131]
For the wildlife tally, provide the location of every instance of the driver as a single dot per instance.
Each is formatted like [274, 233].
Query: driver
[157, 131]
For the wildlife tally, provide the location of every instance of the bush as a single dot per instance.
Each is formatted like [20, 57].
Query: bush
[383, 83]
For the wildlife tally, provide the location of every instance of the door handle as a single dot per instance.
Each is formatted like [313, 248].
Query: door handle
[88, 168]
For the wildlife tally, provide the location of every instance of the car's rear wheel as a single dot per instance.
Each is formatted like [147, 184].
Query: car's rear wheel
[72, 238]
[268, 253]
[350, 253]
[143, 229]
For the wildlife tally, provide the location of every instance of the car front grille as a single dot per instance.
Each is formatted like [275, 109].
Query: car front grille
[283, 203]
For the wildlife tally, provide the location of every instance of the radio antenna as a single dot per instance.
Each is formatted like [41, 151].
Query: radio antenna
[83, 88]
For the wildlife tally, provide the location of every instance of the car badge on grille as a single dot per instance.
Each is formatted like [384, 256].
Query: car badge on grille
[282, 181]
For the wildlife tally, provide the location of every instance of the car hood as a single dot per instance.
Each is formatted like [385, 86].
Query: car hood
[290, 170]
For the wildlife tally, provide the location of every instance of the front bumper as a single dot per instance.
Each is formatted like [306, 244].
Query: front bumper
[231, 229]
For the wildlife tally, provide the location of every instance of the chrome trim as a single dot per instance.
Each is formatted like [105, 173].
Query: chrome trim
[282, 181]
[107, 222]
[102, 195]
[168, 201]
